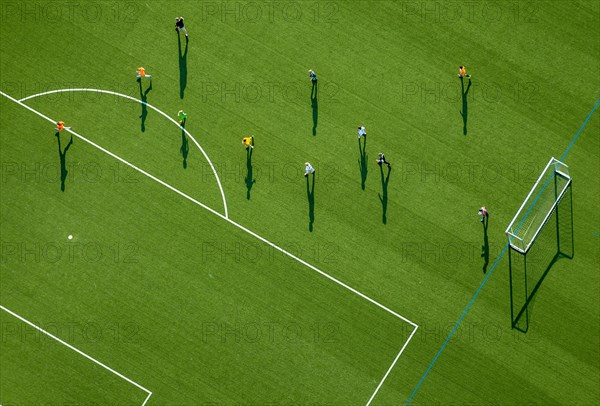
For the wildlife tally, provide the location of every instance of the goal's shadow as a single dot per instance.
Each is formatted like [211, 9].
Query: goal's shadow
[528, 271]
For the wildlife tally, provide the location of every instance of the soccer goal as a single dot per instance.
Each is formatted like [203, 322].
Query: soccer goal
[538, 236]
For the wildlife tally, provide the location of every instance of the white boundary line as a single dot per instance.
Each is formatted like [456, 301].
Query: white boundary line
[141, 102]
[224, 217]
[79, 352]
[118, 157]
[392, 366]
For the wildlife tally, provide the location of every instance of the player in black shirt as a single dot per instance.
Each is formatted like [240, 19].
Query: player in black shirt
[179, 26]
[382, 161]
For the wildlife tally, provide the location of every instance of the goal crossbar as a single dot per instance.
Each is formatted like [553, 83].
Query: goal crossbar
[520, 233]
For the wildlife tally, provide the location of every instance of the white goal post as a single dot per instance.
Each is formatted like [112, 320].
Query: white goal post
[539, 204]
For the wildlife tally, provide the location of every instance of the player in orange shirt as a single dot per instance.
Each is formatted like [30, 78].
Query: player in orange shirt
[60, 125]
[462, 72]
[141, 73]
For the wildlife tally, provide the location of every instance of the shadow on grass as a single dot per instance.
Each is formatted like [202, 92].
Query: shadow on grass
[314, 102]
[310, 194]
[182, 65]
[465, 105]
[144, 99]
[185, 146]
[383, 196]
[485, 248]
[250, 181]
[554, 243]
[62, 155]
[362, 162]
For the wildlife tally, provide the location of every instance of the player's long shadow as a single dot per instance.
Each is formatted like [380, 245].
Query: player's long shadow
[362, 162]
[250, 181]
[182, 65]
[144, 98]
[310, 194]
[465, 104]
[314, 102]
[185, 146]
[62, 154]
[383, 196]
[485, 248]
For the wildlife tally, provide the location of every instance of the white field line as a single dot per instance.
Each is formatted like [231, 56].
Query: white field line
[118, 157]
[137, 385]
[252, 233]
[197, 202]
[148, 105]
[314, 268]
[392, 366]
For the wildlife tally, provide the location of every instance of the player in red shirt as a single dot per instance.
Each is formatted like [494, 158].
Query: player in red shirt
[483, 213]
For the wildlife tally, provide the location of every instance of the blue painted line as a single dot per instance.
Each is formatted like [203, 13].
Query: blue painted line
[457, 324]
[437, 355]
[562, 158]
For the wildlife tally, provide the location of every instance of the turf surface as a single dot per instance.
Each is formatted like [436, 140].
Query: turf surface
[198, 311]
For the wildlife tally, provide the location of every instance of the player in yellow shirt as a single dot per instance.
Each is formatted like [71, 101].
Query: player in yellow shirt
[248, 142]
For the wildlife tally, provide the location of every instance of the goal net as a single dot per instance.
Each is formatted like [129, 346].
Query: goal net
[538, 206]
[540, 234]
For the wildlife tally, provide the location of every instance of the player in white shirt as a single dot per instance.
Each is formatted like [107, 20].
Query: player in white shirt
[308, 169]
[362, 132]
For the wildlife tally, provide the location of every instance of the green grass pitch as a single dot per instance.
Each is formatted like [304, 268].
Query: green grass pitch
[158, 300]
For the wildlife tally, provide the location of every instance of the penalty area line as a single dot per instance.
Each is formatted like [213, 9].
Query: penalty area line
[252, 233]
[78, 351]
[392, 366]
[239, 226]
